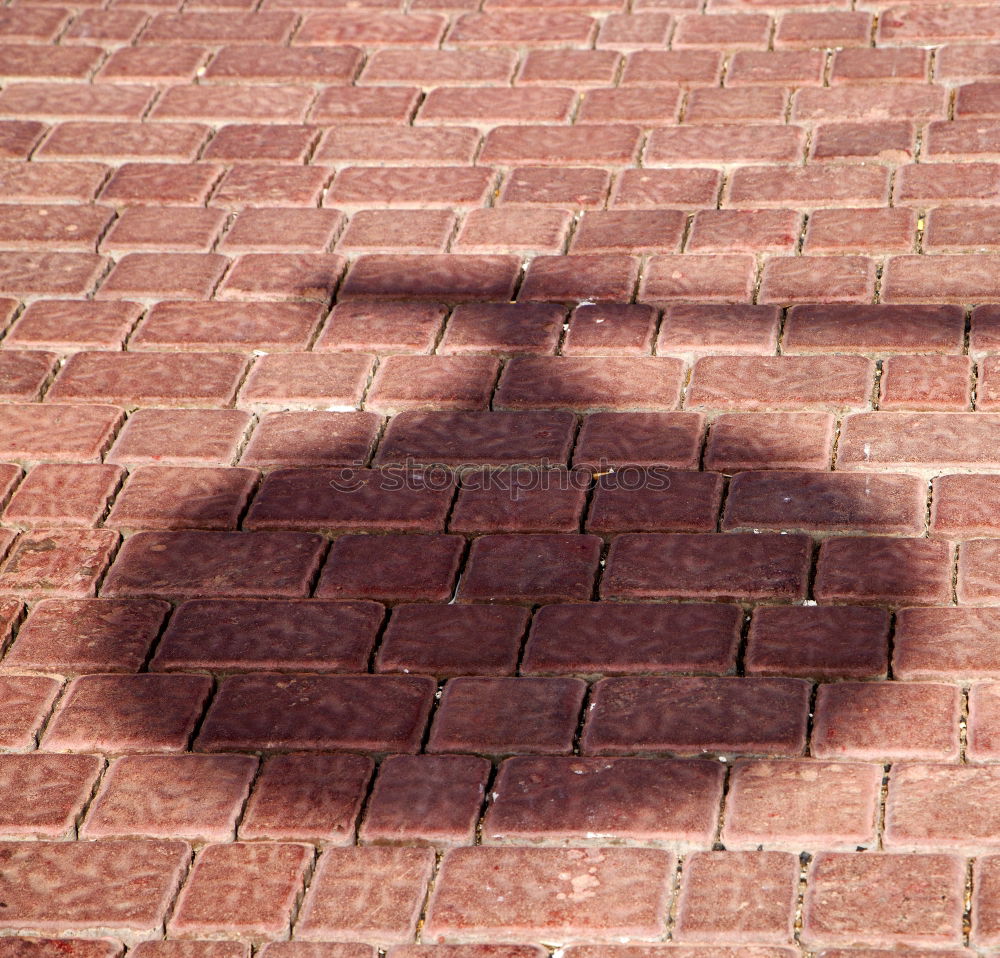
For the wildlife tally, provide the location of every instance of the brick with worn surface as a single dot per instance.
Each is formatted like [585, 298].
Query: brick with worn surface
[946, 644]
[63, 494]
[44, 795]
[761, 440]
[57, 563]
[180, 437]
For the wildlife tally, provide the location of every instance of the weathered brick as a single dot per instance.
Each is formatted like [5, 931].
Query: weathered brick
[219, 27]
[432, 382]
[486, 106]
[688, 330]
[535, 28]
[503, 328]
[971, 278]
[511, 228]
[440, 278]
[312, 438]
[27, 701]
[870, 103]
[565, 186]
[403, 231]
[736, 105]
[404, 187]
[429, 67]
[782, 67]
[51, 182]
[282, 231]
[381, 327]
[44, 795]
[270, 63]
[283, 276]
[56, 432]
[652, 188]
[926, 383]
[365, 28]
[57, 563]
[945, 644]
[24, 374]
[686, 67]
[617, 145]
[75, 101]
[580, 68]
[152, 229]
[732, 31]
[629, 231]
[745, 231]
[701, 278]
[305, 380]
[861, 231]
[179, 436]
[348, 104]
[271, 184]
[655, 500]
[53, 227]
[640, 438]
[45, 273]
[161, 184]
[176, 63]
[146, 276]
[985, 924]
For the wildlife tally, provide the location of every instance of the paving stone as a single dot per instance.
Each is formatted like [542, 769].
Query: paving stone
[382, 327]
[176, 948]
[985, 925]
[307, 438]
[12, 947]
[840, 279]
[984, 715]
[179, 437]
[51, 182]
[961, 505]
[161, 184]
[197, 797]
[73, 636]
[781, 67]
[435, 277]
[542, 186]
[10, 618]
[670, 439]
[259, 635]
[654, 188]
[280, 231]
[63, 494]
[632, 499]
[44, 795]
[65, 325]
[43, 273]
[197, 564]
[218, 27]
[154, 229]
[74, 101]
[529, 569]
[402, 231]
[18, 138]
[272, 184]
[372, 713]
[694, 716]
[503, 329]
[365, 144]
[290, 380]
[926, 383]
[452, 640]
[176, 63]
[91, 887]
[722, 143]
[308, 949]
[499, 716]
[806, 803]
[945, 644]
[391, 568]
[884, 570]
[770, 441]
[432, 382]
[822, 642]
[706, 566]
[905, 281]
[371, 894]
[357, 105]
[582, 278]
[279, 143]
[364, 28]
[550, 894]
[312, 277]
[307, 798]
[127, 713]
[503, 229]
[611, 330]
[526, 145]
[53, 227]
[919, 899]
[57, 563]
[24, 374]
[886, 721]
[985, 332]
[426, 799]
[576, 800]
[268, 63]
[467, 951]
[873, 329]
[146, 276]
[219, 897]
[694, 329]
[977, 580]
[430, 66]
[27, 700]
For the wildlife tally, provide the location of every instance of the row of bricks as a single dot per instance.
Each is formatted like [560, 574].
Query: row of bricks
[524, 27]
[782, 804]
[220, 636]
[930, 338]
[511, 894]
[497, 716]
[614, 277]
[927, 443]
[525, 500]
[541, 231]
[524, 569]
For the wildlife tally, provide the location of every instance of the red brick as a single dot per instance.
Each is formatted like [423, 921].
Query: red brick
[647, 106]
[308, 949]
[967, 61]
[50, 274]
[10, 476]
[44, 795]
[398, 231]
[606, 894]
[610, 330]
[919, 900]
[50, 182]
[780, 382]
[706, 566]
[63, 495]
[106, 27]
[51, 563]
[686, 67]
[649, 188]
[40, 24]
[366, 28]
[694, 716]
[128, 713]
[431, 67]
[978, 99]
[176, 948]
[180, 437]
[529, 569]
[534, 28]
[365, 144]
[945, 644]
[371, 894]
[808, 187]
[286, 143]
[389, 568]
[53, 227]
[290, 380]
[282, 231]
[874, 329]
[312, 277]
[307, 797]
[964, 506]
[635, 31]
[235, 104]
[175, 63]
[161, 184]
[861, 65]
[27, 700]
[493, 438]
[54, 432]
[558, 146]
[18, 138]
[505, 229]
[372, 713]
[147, 143]
[561, 800]
[436, 277]
[72, 636]
[426, 799]
[960, 229]
[989, 373]
[985, 924]
[386, 105]
[154, 229]
[726, 31]
[853, 231]
[197, 797]
[271, 184]
[834, 28]
[382, 327]
[935, 184]
[146, 276]
[196, 564]
[688, 330]
[745, 231]
[124, 888]
[149, 378]
[983, 718]
[268, 63]
[578, 68]
[589, 639]
[503, 329]
[655, 500]
[795, 804]
[312, 439]
[640, 438]
[939, 279]
[539, 186]
[724, 143]
[744, 895]
[639, 231]
[781, 67]
[977, 583]
[822, 642]
[486, 106]
[736, 105]
[246, 890]
[74, 101]
[870, 103]
[23, 374]
[724, 279]
[887, 721]
[219, 27]
[520, 500]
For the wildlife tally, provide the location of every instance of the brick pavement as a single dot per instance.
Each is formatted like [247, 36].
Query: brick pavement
[483, 477]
